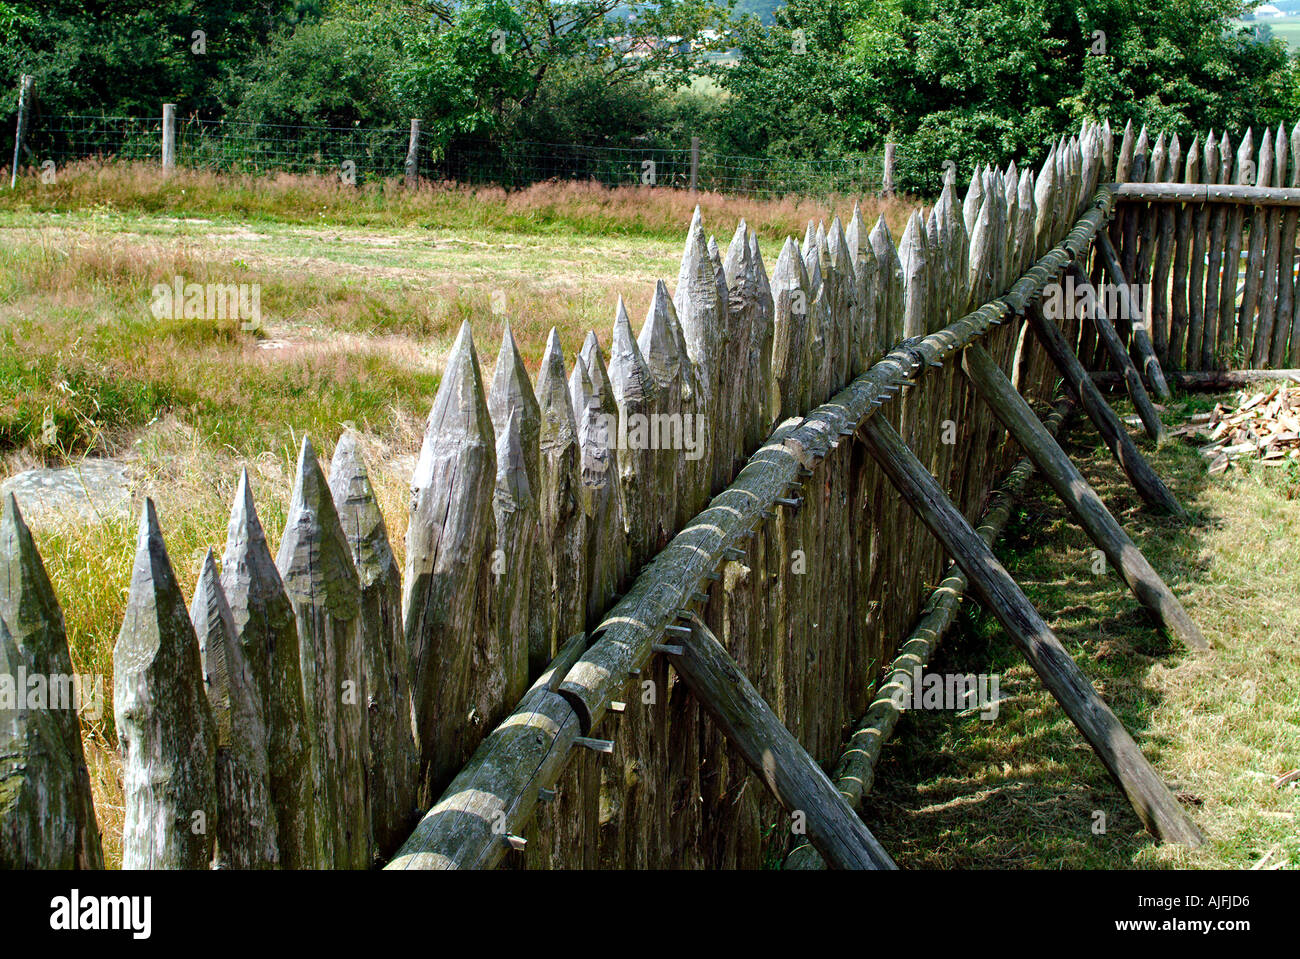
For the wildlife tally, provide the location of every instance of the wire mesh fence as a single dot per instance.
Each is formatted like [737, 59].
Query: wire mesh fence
[367, 153]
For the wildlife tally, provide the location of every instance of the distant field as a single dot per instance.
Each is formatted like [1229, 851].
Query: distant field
[1284, 28]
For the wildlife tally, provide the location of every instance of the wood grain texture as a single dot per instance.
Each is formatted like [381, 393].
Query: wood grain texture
[164, 725]
[30, 610]
[393, 758]
[267, 632]
[245, 825]
[315, 562]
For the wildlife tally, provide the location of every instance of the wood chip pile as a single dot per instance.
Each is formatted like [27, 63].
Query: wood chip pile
[1263, 427]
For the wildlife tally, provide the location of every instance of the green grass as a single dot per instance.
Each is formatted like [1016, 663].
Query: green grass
[1022, 791]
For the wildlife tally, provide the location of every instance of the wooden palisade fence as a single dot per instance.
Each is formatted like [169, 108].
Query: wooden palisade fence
[647, 593]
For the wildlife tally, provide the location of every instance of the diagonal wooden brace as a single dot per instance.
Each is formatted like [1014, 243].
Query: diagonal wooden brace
[1141, 339]
[1086, 394]
[1102, 528]
[1150, 798]
[1119, 356]
[773, 753]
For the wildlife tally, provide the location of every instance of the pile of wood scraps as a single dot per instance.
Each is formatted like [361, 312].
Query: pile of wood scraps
[1263, 427]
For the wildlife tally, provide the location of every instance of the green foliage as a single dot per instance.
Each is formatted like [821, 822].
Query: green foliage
[984, 81]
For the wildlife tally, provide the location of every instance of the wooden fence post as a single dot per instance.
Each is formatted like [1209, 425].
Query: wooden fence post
[393, 763]
[163, 719]
[31, 611]
[169, 137]
[413, 156]
[887, 178]
[315, 562]
[267, 631]
[245, 827]
[695, 163]
[26, 86]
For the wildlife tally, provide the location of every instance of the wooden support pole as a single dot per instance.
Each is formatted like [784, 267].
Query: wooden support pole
[695, 163]
[1151, 800]
[1102, 528]
[774, 755]
[169, 137]
[1085, 393]
[1115, 347]
[25, 86]
[887, 179]
[1141, 340]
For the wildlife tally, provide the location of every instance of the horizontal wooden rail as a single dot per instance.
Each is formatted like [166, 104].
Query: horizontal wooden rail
[1208, 379]
[1208, 193]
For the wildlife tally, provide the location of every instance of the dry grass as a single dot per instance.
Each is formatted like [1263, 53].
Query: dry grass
[553, 207]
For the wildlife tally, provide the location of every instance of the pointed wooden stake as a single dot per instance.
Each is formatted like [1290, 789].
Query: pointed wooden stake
[267, 632]
[448, 559]
[31, 610]
[164, 723]
[392, 772]
[315, 562]
[245, 820]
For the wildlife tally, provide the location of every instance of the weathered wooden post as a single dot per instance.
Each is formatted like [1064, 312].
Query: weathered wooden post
[887, 178]
[412, 166]
[267, 632]
[446, 582]
[31, 611]
[169, 137]
[519, 569]
[315, 563]
[393, 766]
[245, 826]
[774, 754]
[562, 520]
[26, 87]
[164, 724]
[39, 826]
[695, 163]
